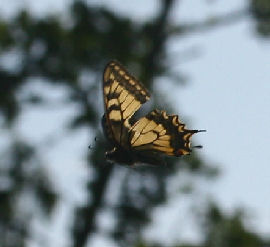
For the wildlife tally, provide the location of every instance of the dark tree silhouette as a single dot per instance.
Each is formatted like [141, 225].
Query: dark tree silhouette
[260, 9]
[61, 54]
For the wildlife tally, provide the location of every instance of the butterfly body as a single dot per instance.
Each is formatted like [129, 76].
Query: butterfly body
[125, 155]
[117, 154]
[148, 138]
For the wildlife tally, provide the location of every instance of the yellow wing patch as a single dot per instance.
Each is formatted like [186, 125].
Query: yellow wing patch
[163, 133]
[123, 96]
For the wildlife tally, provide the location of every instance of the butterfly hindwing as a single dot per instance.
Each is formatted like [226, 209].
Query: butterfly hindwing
[123, 96]
[161, 133]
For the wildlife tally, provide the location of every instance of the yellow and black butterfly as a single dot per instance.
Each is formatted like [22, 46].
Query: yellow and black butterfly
[156, 133]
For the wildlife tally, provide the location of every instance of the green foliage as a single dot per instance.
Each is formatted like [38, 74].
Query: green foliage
[5, 36]
[260, 10]
[223, 230]
[63, 53]
[24, 182]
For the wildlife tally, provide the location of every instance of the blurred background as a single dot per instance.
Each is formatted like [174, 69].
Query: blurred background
[206, 60]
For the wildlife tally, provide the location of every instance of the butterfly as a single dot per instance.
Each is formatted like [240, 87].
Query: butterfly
[153, 135]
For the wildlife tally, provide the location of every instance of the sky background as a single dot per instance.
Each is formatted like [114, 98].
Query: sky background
[227, 94]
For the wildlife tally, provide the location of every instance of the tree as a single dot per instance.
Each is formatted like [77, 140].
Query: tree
[61, 54]
[260, 10]
[223, 229]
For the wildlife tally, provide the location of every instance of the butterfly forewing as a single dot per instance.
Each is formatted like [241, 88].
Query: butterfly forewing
[123, 96]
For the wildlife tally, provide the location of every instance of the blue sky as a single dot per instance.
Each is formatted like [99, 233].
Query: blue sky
[227, 94]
